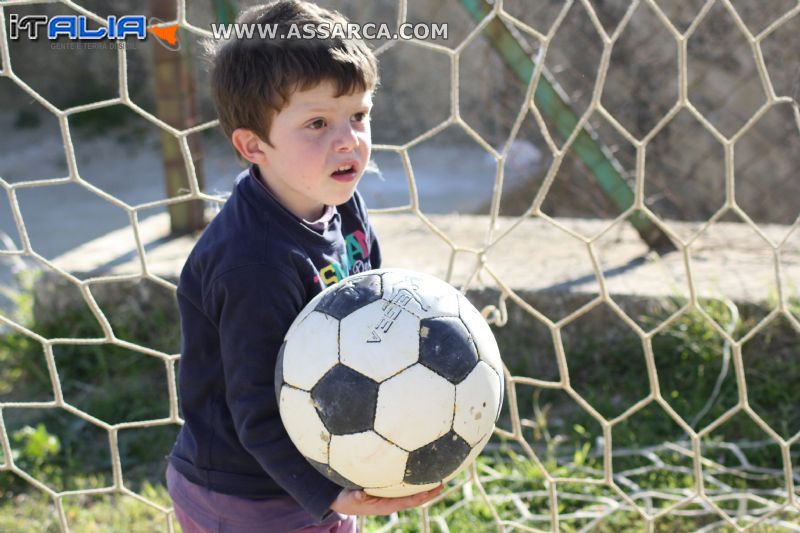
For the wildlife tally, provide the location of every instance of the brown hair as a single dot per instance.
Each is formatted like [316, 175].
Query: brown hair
[252, 79]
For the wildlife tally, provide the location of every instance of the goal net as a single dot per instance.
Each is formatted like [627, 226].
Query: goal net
[614, 183]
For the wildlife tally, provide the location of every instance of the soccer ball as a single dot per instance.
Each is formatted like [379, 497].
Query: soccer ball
[390, 381]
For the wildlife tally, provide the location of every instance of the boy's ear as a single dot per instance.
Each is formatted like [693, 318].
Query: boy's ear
[249, 145]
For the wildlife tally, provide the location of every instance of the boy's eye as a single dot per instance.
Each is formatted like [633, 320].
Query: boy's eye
[317, 124]
[360, 116]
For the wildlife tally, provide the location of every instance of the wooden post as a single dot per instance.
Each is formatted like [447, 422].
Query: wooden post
[175, 105]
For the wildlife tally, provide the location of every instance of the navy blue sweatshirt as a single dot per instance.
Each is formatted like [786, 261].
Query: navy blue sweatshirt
[249, 275]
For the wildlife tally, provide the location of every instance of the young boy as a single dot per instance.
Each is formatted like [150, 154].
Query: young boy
[298, 111]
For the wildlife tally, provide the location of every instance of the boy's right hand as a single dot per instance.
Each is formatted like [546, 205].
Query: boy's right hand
[358, 502]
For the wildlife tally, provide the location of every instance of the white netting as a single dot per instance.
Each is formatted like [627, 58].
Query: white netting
[543, 490]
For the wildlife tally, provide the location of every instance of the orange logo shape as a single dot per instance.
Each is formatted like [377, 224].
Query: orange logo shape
[167, 35]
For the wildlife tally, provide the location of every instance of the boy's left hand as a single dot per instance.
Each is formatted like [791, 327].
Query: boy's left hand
[358, 502]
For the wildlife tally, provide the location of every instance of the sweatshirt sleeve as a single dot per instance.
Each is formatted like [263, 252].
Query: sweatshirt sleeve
[375, 258]
[255, 305]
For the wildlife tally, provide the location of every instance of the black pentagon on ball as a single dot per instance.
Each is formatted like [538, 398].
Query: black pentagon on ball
[345, 400]
[437, 460]
[446, 347]
[351, 295]
[333, 475]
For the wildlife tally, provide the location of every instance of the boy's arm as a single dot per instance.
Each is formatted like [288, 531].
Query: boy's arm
[375, 258]
[255, 305]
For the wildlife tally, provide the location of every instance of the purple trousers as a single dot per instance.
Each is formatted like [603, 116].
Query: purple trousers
[200, 510]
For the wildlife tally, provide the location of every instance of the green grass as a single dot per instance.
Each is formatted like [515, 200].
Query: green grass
[607, 369]
[34, 511]
[106, 381]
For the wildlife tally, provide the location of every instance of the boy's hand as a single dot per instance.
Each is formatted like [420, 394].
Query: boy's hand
[358, 502]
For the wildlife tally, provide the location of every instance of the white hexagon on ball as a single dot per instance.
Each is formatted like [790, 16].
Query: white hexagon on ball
[303, 424]
[420, 395]
[311, 351]
[367, 460]
[379, 340]
[477, 402]
[421, 294]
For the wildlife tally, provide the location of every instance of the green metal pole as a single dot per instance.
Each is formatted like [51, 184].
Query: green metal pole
[552, 106]
[225, 11]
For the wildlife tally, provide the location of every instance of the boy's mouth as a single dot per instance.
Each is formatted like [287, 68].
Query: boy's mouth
[345, 172]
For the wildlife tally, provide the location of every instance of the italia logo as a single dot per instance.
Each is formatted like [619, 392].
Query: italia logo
[77, 28]
[167, 35]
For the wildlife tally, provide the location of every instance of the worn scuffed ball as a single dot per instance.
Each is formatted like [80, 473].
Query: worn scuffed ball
[390, 381]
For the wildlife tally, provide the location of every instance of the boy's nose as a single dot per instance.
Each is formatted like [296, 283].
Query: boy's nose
[346, 139]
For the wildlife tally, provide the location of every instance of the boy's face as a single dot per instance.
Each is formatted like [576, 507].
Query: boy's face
[312, 137]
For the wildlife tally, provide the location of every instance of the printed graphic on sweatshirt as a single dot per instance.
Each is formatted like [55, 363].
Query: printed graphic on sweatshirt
[354, 259]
